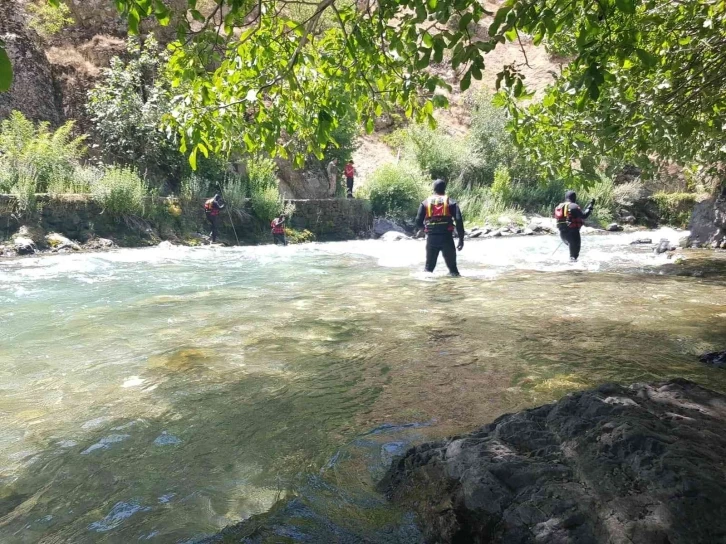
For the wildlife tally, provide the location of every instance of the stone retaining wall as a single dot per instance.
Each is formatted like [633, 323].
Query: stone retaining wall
[79, 218]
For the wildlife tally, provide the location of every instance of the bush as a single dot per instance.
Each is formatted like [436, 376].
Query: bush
[396, 190]
[127, 107]
[502, 185]
[80, 182]
[48, 20]
[52, 156]
[120, 192]
[24, 190]
[268, 203]
[675, 208]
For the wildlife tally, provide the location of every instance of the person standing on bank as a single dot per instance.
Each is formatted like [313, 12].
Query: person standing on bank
[440, 216]
[570, 218]
[211, 211]
[332, 177]
[349, 177]
[278, 230]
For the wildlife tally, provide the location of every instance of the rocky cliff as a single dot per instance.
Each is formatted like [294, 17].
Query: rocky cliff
[32, 91]
[708, 223]
[642, 464]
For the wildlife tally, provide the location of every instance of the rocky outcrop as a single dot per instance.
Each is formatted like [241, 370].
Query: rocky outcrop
[382, 225]
[642, 464]
[708, 223]
[715, 358]
[32, 91]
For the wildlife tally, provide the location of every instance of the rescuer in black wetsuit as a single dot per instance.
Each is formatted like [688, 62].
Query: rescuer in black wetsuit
[570, 218]
[211, 210]
[440, 216]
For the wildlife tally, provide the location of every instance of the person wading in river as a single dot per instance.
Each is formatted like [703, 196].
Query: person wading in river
[211, 210]
[278, 230]
[440, 216]
[570, 218]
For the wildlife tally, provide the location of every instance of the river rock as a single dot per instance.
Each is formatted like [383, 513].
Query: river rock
[59, 242]
[24, 245]
[614, 227]
[528, 232]
[641, 241]
[382, 225]
[629, 219]
[99, 243]
[641, 464]
[715, 358]
[663, 246]
[392, 236]
[476, 234]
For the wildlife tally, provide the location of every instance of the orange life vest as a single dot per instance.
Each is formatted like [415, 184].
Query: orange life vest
[438, 213]
[563, 216]
[277, 228]
[210, 207]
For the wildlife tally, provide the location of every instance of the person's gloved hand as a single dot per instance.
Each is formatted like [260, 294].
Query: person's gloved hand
[461, 244]
[592, 202]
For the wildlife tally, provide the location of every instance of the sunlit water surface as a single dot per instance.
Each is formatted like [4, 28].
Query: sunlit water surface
[163, 394]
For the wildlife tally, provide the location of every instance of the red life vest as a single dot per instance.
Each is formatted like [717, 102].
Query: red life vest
[438, 213]
[563, 216]
[210, 207]
[277, 228]
[349, 171]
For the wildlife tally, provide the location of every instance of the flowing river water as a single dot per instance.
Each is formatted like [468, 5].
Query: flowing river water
[162, 394]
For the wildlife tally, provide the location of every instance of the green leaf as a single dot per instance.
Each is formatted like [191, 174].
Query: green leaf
[465, 81]
[465, 20]
[6, 70]
[511, 34]
[133, 20]
[428, 40]
[370, 125]
[162, 13]
[626, 6]
[196, 15]
[193, 159]
[548, 101]
[647, 58]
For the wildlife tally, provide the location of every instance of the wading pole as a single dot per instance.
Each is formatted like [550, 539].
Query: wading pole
[558, 247]
[232, 223]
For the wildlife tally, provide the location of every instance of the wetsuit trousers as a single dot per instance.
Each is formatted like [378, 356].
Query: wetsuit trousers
[571, 237]
[213, 221]
[443, 243]
[279, 239]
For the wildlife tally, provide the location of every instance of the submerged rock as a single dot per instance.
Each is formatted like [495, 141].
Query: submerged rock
[641, 241]
[614, 227]
[715, 358]
[663, 246]
[392, 236]
[382, 225]
[639, 464]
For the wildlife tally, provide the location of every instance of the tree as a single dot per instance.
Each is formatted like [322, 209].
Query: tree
[645, 76]
[646, 84]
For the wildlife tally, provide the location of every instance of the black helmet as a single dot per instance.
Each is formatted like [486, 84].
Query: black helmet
[439, 187]
[571, 196]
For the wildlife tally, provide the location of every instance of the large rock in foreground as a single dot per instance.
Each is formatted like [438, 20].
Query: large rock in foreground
[641, 464]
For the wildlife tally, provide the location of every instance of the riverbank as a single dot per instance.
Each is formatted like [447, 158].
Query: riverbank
[66, 223]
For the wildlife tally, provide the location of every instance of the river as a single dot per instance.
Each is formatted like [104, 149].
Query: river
[162, 394]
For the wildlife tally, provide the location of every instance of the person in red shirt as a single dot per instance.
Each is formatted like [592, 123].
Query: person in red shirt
[278, 230]
[349, 175]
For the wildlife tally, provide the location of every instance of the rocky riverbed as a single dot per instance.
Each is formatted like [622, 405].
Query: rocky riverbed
[639, 464]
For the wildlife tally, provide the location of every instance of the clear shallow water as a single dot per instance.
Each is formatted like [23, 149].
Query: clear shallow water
[162, 394]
